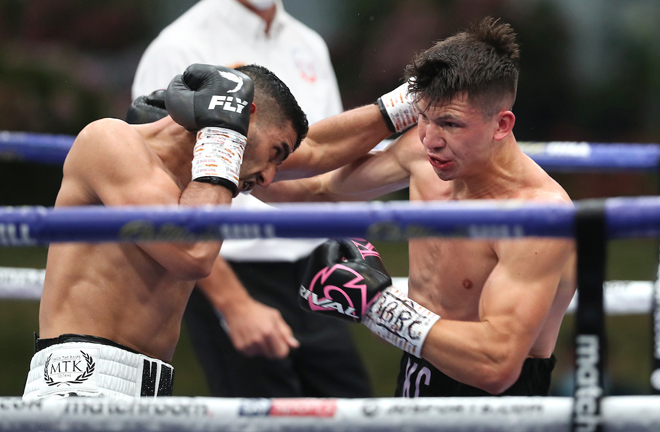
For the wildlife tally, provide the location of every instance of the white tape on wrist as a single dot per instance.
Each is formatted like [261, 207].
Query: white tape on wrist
[218, 153]
[399, 107]
[400, 321]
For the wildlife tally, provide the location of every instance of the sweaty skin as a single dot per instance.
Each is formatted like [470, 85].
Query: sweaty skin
[501, 301]
[135, 294]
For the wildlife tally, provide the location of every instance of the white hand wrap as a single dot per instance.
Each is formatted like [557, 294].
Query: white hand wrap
[218, 153]
[397, 105]
[400, 321]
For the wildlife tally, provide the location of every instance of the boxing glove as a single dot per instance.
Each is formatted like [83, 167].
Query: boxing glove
[397, 109]
[147, 109]
[347, 279]
[214, 101]
[340, 286]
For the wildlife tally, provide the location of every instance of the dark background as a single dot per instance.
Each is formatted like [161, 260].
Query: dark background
[590, 71]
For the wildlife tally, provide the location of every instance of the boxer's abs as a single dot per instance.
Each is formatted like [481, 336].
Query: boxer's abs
[111, 292]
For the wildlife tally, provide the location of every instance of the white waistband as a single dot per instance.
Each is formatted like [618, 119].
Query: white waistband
[96, 370]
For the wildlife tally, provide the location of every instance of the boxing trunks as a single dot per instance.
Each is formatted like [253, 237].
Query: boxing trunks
[418, 378]
[90, 366]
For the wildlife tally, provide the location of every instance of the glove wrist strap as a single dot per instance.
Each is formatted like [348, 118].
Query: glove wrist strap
[217, 157]
[400, 321]
[397, 109]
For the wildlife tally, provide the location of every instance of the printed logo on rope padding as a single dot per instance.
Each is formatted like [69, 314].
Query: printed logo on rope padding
[304, 407]
[146, 407]
[15, 235]
[422, 408]
[17, 404]
[254, 408]
[69, 367]
[145, 230]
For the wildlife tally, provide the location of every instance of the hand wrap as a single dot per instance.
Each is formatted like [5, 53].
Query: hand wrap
[397, 109]
[400, 321]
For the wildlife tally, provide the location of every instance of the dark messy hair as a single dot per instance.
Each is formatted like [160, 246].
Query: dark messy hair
[481, 62]
[276, 103]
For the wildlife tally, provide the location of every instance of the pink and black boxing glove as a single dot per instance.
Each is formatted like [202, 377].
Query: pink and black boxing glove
[339, 281]
[214, 102]
[347, 279]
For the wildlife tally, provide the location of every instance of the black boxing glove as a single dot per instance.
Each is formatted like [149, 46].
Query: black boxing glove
[215, 101]
[147, 109]
[340, 287]
[349, 273]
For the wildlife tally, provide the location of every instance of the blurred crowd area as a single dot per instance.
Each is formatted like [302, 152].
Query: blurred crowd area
[590, 71]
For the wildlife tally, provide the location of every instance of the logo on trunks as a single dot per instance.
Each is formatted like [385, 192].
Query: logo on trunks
[65, 367]
[588, 390]
[345, 305]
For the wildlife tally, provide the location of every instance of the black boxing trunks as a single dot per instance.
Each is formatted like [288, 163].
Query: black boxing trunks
[90, 366]
[418, 378]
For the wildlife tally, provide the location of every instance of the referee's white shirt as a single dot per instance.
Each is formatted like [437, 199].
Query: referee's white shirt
[224, 32]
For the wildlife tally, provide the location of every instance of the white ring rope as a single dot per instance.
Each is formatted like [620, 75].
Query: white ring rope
[510, 414]
[621, 297]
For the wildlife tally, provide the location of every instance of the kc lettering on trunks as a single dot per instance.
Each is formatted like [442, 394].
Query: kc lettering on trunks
[423, 374]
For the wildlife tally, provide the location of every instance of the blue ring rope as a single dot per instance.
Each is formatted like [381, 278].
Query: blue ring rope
[385, 221]
[552, 156]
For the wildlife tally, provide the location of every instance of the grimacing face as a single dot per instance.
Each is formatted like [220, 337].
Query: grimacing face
[457, 138]
[267, 147]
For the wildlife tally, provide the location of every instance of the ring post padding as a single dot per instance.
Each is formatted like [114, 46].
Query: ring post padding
[591, 242]
[655, 332]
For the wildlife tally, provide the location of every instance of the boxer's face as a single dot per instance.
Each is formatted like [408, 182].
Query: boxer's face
[267, 147]
[457, 138]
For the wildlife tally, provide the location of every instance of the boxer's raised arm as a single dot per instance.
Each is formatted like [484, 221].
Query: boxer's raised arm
[341, 139]
[111, 163]
[371, 176]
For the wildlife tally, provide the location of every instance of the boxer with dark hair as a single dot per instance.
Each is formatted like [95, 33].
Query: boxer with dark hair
[480, 317]
[111, 313]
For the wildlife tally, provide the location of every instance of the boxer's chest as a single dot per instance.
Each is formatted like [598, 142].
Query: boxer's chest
[450, 274]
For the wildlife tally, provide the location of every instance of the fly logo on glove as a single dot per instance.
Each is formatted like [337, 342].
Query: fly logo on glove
[331, 293]
[226, 101]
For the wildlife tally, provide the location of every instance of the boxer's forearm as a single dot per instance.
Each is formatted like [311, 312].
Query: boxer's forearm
[475, 353]
[336, 141]
[223, 288]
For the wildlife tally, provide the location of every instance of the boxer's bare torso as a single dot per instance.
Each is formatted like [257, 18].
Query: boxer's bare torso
[124, 291]
[448, 275]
